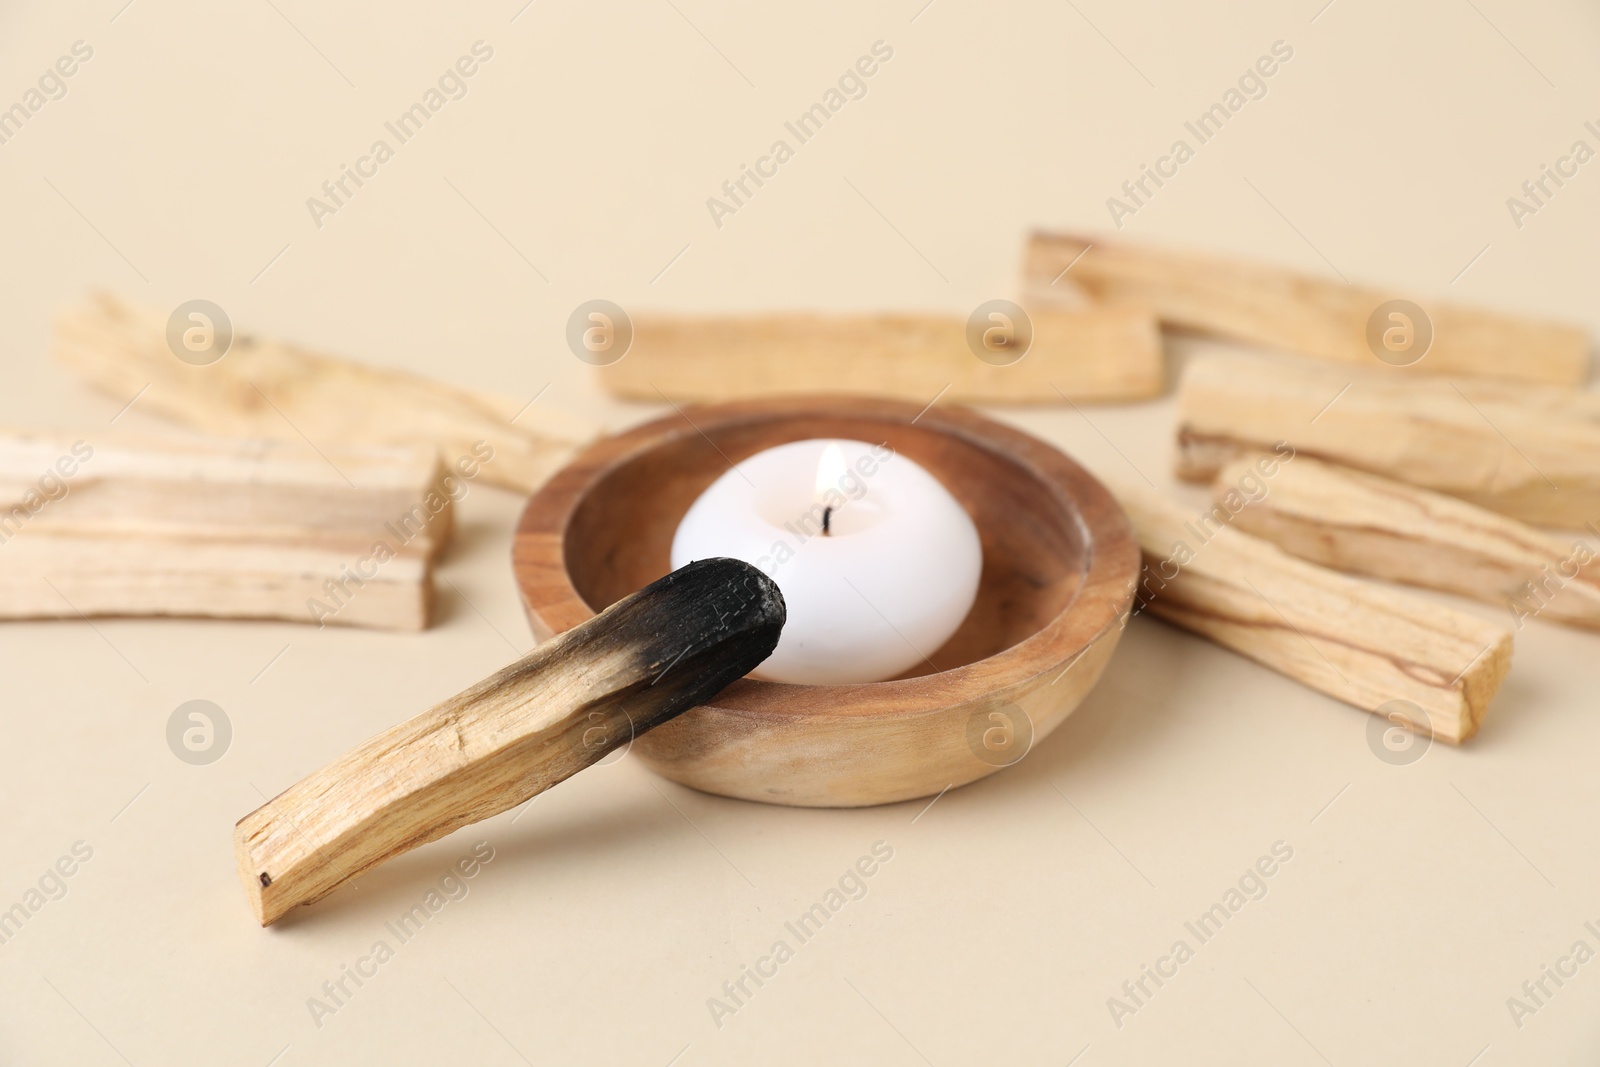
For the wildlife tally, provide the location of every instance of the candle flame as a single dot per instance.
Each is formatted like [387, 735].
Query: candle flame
[831, 469]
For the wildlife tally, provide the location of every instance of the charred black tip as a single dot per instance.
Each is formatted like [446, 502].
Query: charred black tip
[695, 631]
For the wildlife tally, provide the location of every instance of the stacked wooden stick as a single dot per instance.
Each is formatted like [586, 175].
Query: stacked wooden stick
[317, 490]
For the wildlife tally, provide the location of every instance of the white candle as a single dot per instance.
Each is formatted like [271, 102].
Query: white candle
[887, 583]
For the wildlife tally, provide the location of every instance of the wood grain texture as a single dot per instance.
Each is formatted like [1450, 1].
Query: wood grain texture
[1059, 562]
[1268, 305]
[268, 389]
[130, 525]
[1094, 354]
[1355, 641]
[1528, 451]
[1361, 523]
[535, 723]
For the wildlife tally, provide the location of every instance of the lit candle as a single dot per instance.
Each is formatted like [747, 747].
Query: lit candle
[877, 562]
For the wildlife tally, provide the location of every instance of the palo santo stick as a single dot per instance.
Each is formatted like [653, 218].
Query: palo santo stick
[143, 526]
[1353, 640]
[266, 389]
[1095, 354]
[1528, 451]
[1361, 523]
[648, 657]
[1271, 306]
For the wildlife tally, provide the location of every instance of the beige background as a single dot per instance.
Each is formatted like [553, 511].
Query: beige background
[1419, 897]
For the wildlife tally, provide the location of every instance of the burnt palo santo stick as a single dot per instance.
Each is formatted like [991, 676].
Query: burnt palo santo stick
[652, 655]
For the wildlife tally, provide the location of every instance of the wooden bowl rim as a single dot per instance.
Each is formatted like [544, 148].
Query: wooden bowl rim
[1111, 563]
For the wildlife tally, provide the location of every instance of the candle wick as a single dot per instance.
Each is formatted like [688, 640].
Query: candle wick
[827, 515]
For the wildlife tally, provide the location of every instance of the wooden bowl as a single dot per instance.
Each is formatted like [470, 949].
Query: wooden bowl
[1059, 568]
